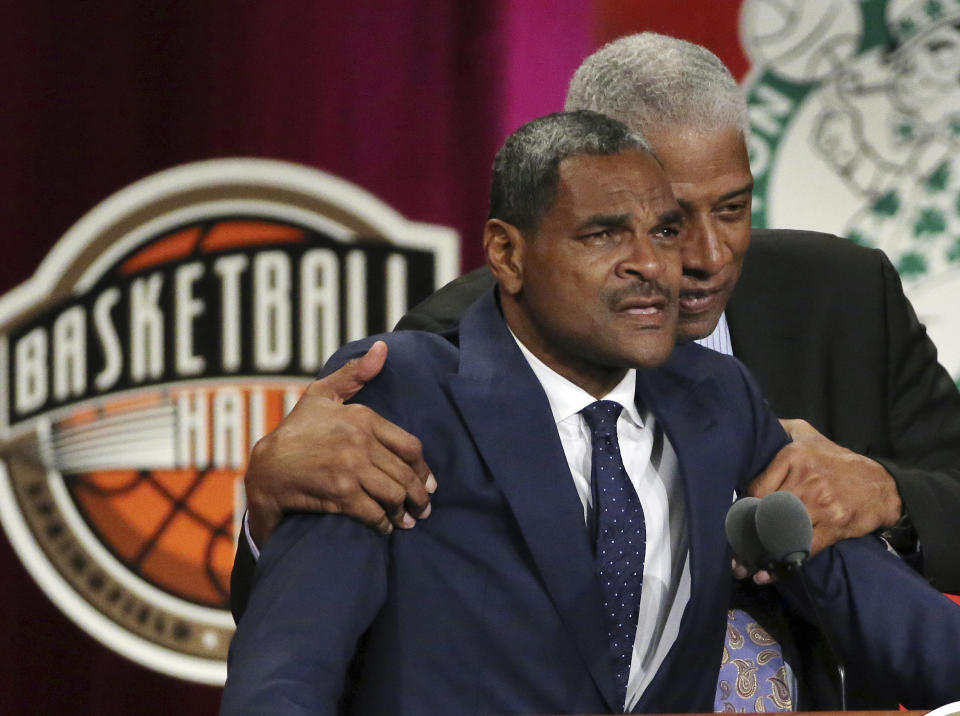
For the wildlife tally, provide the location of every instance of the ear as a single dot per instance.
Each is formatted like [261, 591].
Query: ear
[505, 246]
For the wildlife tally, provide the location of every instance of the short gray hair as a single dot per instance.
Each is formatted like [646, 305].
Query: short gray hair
[526, 170]
[650, 81]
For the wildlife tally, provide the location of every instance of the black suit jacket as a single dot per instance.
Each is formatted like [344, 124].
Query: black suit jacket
[824, 326]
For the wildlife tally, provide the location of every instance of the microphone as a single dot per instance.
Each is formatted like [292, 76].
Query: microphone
[770, 533]
[784, 529]
[776, 534]
[741, 528]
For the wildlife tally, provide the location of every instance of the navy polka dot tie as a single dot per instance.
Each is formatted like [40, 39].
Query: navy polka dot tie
[621, 536]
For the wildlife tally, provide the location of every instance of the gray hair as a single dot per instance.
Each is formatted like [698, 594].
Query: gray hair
[650, 81]
[526, 170]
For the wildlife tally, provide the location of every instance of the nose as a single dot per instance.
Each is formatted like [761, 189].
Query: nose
[703, 251]
[642, 260]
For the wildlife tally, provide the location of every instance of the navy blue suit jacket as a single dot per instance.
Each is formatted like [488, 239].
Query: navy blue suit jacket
[492, 605]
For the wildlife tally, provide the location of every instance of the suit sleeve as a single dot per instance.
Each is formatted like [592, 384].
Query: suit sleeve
[894, 632]
[924, 416]
[438, 312]
[292, 649]
[769, 435]
[318, 585]
[434, 315]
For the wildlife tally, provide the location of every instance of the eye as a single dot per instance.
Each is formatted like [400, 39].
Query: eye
[666, 233]
[602, 234]
[732, 211]
[601, 237]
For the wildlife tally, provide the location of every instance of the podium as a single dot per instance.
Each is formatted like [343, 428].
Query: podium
[806, 713]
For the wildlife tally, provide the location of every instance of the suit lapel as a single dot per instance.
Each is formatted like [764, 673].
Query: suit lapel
[509, 417]
[510, 420]
[679, 403]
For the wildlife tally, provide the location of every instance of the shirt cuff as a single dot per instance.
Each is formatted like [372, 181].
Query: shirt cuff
[254, 550]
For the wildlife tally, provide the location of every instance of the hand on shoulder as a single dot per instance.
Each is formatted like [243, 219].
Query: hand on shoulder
[329, 457]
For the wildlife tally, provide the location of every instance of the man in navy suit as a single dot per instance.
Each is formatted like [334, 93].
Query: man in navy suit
[583, 239]
[823, 324]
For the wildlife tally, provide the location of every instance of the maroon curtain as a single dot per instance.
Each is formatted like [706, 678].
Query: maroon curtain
[399, 97]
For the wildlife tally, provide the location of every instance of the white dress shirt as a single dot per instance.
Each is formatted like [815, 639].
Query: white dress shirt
[651, 465]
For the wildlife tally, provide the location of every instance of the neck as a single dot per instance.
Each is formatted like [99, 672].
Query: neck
[596, 379]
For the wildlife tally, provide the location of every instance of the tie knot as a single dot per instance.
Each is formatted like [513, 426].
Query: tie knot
[601, 417]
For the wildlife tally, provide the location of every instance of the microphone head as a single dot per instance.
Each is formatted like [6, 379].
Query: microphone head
[784, 528]
[741, 528]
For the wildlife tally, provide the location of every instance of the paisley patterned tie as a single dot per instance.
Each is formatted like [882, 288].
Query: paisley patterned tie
[621, 537]
[753, 674]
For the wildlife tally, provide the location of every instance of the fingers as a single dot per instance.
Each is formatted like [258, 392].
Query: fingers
[333, 457]
[799, 430]
[406, 447]
[402, 479]
[368, 366]
[760, 577]
[344, 382]
[396, 487]
[764, 577]
[358, 506]
[366, 496]
[377, 498]
[846, 494]
[773, 478]
[740, 570]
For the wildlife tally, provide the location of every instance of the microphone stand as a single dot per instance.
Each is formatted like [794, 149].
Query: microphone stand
[793, 564]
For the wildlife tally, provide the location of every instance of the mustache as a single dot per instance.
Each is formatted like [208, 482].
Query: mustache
[639, 289]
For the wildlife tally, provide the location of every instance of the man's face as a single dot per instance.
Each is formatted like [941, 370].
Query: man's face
[598, 280]
[709, 173]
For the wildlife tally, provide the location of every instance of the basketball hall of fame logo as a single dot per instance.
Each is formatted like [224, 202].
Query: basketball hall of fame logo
[855, 117]
[168, 330]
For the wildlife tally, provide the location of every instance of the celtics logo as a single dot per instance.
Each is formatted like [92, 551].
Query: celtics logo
[855, 115]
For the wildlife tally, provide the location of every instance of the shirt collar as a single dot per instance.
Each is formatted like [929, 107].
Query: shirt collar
[568, 399]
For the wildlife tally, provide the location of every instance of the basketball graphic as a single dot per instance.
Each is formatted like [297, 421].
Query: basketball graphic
[173, 527]
[167, 331]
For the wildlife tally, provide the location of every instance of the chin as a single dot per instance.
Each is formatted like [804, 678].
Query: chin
[693, 329]
[651, 358]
